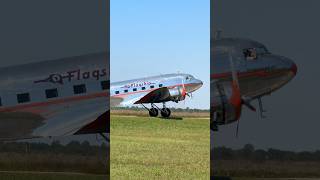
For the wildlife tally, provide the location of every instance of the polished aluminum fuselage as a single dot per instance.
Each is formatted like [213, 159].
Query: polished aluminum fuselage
[40, 116]
[137, 88]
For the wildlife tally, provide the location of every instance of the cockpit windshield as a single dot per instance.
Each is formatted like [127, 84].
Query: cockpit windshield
[254, 53]
[262, 51]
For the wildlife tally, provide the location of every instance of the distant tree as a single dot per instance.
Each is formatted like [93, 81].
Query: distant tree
[260, 156]
[223, 153]
[247, 151]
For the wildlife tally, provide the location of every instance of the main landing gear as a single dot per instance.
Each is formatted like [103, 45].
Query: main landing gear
[213, 121]
[105, 137]
[154, 111]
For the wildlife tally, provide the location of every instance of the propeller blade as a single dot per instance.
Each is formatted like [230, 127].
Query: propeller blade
[236, 99]
[248, 105]
[184, 92]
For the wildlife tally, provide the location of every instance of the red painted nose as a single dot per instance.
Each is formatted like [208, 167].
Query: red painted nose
[294, 68]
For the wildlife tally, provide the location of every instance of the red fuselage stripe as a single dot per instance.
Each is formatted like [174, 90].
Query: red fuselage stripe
[243, 74]
[55, 101]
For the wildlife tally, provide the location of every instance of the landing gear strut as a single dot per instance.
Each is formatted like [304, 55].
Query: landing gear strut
[154, 110]
[213, 121]
[104, 137]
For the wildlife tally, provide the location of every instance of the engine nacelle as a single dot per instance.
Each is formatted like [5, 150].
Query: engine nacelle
[223, 110]
[177, 94]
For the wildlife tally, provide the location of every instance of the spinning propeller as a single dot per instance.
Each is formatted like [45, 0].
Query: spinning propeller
[235, 98]
[237, 101]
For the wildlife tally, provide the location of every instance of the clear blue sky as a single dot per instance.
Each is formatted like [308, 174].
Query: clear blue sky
[153, 37]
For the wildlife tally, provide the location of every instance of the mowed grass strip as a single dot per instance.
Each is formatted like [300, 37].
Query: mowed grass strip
[143, 112]
[154, 148]
[49, 176]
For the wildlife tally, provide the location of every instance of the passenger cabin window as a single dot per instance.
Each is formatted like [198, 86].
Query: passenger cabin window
[134, 89]
[23, 98]
[143, 88]
[79, 89]
[52, 93]
[0, 102]
[125, 91]
[104, 85]
[152, 86]
[160, 85]
[117, 92]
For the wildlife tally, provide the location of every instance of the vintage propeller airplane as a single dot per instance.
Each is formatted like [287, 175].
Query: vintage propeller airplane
[55, 98]
[151, 90]
[242, 71]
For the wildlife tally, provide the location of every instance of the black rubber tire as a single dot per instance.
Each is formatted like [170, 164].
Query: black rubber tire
[153, 112]
[165, 112]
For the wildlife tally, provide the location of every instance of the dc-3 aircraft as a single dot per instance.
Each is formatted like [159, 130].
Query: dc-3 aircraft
[242, 71]
[55, 98]
[156, 89]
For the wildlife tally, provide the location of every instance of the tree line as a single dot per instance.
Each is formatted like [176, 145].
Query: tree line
[73, 148]
[248, 152]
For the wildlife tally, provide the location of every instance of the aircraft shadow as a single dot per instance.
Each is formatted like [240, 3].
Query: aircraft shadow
[220, 178]
[172, 118]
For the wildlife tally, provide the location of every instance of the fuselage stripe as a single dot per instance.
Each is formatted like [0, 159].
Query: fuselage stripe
[55, 101]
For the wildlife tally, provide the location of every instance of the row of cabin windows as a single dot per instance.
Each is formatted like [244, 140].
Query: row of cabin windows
[53, 93]
[135, 89]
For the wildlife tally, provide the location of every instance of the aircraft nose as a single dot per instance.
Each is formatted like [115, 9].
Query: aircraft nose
[294, 68]
[197, 84]
[200, 83]
[290, 65]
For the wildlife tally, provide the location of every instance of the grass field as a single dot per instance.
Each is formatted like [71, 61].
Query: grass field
[49, 162]
[154, 148]
[48, 176]
[143, 112]
[269, 169]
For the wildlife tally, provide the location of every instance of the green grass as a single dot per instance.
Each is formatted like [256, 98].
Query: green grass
[48, 176]
[268, 169]
[154, 148]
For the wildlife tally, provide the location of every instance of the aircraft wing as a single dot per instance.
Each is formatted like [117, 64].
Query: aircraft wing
[60, 119]
[154, 96]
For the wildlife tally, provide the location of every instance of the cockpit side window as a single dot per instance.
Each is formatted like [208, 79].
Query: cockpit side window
[250, 53]
[262, 51]
[254, 53]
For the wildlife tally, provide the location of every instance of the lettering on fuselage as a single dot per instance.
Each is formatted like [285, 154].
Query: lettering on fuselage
[140, 84]
[74, 75]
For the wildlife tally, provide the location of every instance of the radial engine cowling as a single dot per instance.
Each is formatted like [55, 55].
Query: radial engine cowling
[226, 103]
[177, 94]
